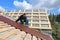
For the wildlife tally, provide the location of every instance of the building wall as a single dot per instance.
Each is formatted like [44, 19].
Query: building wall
[38, 19]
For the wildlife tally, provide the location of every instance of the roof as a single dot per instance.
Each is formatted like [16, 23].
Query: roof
[10, 30]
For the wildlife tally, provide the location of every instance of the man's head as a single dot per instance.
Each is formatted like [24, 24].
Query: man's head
[24, 14]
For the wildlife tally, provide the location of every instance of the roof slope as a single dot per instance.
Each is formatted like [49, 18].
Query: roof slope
[25, 33]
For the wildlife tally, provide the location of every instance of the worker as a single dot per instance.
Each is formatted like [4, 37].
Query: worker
[23, 19]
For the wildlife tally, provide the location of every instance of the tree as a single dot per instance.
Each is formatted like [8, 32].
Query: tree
[58, 18]
[52, 18]
[55, 21]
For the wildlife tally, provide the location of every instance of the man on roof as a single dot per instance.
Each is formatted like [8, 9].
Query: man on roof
[23, 19]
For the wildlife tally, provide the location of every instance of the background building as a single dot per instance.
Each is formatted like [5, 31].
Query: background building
[38, 19]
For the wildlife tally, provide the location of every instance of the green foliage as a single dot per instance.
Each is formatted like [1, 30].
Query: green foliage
[58, 18]
[55, 22]
[56, 31]
[52, 18]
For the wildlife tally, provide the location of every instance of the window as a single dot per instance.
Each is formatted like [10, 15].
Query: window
[28, 13]
[35, 17]
[14, 17]
[6, 14]
[44, 21]
[36, 25]
[15, 13]
[28, 10]
[29, 24]
[35, 13]
[29, 20]
[28, 17]
[35, 10]
[43, 17]
[42, 13]
[20, 13]
[22, 10]
[44, 25]
[35, 20]
[11, 13]
[9, 16]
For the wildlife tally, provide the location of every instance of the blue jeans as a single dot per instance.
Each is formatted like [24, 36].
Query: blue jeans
[24, 21]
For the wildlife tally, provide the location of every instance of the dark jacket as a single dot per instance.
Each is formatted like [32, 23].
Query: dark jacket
[21, 18]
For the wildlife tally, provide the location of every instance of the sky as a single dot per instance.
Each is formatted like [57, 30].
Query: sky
[53, 6]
